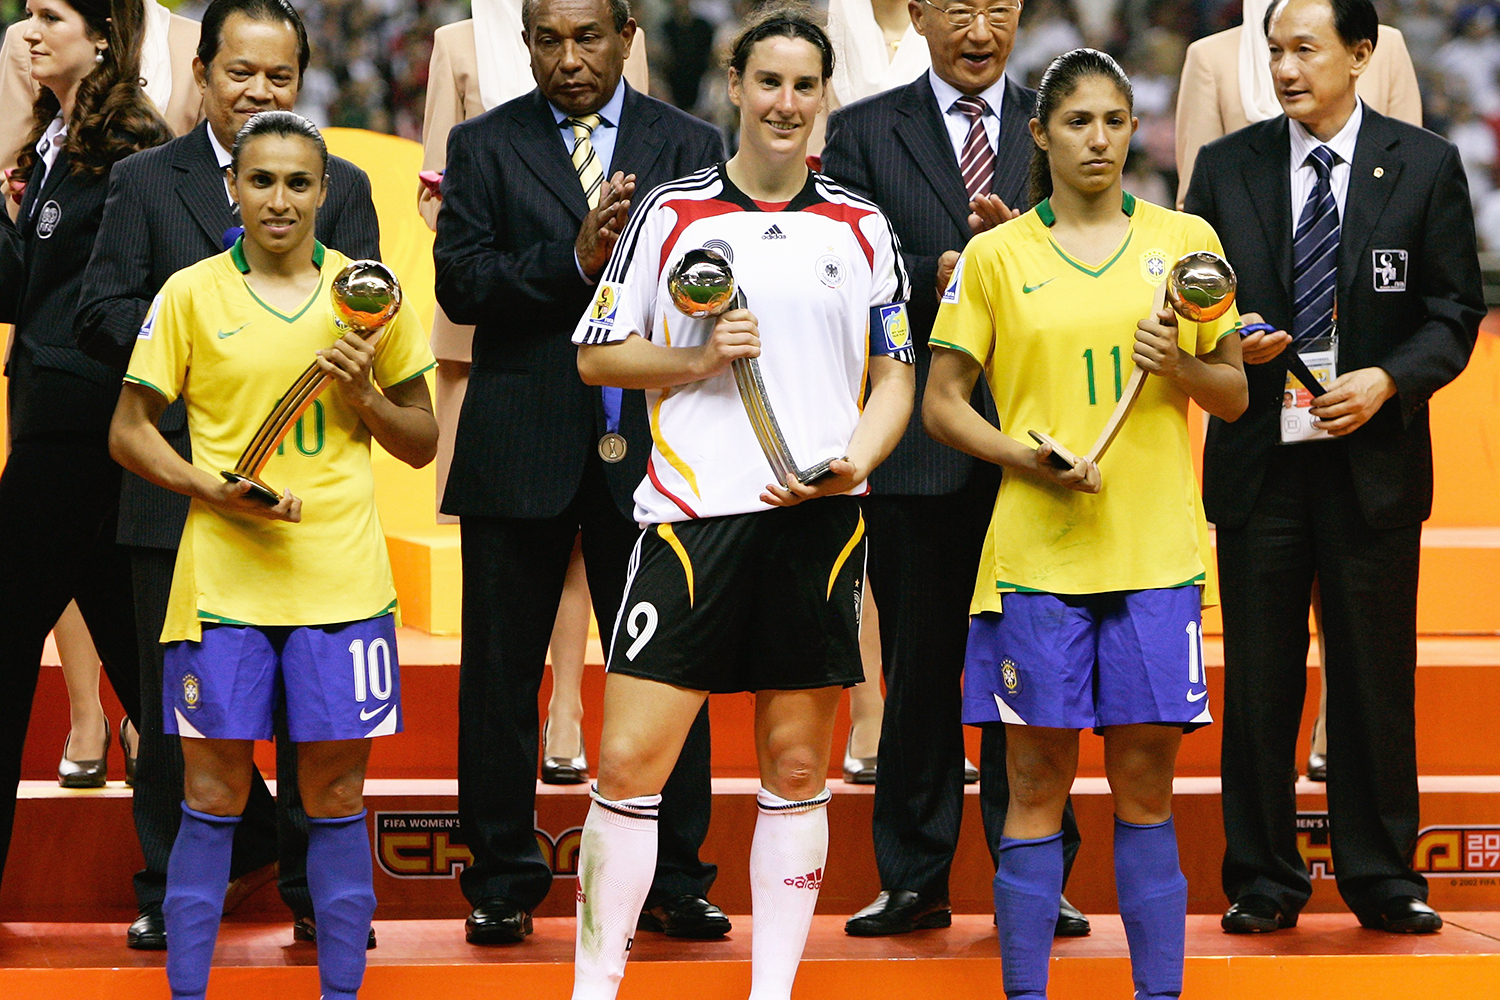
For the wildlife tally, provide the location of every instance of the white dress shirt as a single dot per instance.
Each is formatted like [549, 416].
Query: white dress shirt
[958, 122]
[1304, 177]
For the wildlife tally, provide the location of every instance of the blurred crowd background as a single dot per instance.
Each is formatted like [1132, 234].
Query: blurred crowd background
[370, 61]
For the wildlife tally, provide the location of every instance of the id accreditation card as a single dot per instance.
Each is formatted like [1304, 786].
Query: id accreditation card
[1297, 423]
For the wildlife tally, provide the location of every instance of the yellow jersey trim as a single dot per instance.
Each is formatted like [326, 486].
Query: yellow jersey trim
[277, 312]
[665, 532]
[838, 564]
[673, 459]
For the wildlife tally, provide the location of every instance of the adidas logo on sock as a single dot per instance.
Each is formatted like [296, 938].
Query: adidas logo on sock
[774, 233]
[812, 880]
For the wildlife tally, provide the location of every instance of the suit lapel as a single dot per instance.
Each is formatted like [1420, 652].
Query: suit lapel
[1014, 149]
[1368, 192]
[201, 187]
[539, 146]
[1268, 178]
[638, 142]
[920, 129]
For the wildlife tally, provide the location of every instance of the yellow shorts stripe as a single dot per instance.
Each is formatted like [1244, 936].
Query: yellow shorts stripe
[665, 532]
[838, 564]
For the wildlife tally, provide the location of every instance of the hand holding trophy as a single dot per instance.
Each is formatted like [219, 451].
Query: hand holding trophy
[702, 284]
[366, 296]
[1200, 287]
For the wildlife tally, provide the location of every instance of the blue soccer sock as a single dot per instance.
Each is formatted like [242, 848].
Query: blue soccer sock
[342, 885]
[197, 878]
[1153, 905]
[1028, 890]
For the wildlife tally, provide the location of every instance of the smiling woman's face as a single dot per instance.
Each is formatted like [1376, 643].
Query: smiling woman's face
[279, 186]
[778, 95]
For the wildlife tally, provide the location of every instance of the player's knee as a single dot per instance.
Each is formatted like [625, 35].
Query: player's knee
[1039, 781]
[793, 774]
[626, 768]
[342, 796]
[212, 794]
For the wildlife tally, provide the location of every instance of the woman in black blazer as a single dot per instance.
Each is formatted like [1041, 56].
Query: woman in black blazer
[59, 487]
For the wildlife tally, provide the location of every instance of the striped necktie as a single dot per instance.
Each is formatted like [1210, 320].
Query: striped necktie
[1315, 256]
[977, 162]
[585, 160]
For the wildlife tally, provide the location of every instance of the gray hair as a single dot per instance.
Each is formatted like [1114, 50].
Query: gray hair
[619, 8]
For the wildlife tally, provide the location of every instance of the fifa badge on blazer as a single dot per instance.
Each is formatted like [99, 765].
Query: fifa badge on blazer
[1390, 270]
[47, 220]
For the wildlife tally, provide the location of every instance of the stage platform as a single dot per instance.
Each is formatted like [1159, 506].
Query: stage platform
[1327, 956]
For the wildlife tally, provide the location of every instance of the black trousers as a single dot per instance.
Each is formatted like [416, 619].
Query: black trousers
[923, 555]
[272, 829]
[1307, 523]
[58, 502]
[513, 579]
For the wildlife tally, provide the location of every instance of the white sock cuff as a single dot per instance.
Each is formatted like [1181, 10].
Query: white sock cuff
[774, 805]
[642, 808]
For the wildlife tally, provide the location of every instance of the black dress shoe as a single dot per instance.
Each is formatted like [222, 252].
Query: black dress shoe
[1070, 921]
[306, 929]
[897, 911]
[1255, 914]
[1404, 915]
[685, 917]
[497, 921]
[148, 932]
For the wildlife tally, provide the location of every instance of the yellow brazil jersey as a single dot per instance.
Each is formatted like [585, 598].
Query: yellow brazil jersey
[1055, 337]
[210, 339]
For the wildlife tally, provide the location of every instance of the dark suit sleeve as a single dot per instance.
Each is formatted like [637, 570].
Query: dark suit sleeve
[117, 288]
[356, 231]
[1452, 290]
[712, 151]
[12, 267]
[1200, 197]
[475, 278]
[844, 161]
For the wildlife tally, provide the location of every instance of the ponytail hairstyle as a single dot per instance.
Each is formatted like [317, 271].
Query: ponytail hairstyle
[1058, 84]
[112, 116]
[283, 123]
[786, 19]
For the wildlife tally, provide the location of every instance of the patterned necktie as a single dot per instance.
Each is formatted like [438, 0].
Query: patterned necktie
[977, 162]
[585, 161]
[1315, 253]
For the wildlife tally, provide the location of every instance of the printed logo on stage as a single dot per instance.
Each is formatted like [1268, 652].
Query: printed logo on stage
[1154, 266]
[606, 305]
[46, 222]
[429, 845]
[1459, 852]
[1313, 844]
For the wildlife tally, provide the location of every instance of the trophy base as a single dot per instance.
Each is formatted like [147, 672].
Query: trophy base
[258, 490]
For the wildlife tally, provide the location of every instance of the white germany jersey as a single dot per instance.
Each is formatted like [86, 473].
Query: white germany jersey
[823, 277]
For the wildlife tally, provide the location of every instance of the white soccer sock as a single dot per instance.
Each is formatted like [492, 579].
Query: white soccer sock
[786, 869]
[616, 863]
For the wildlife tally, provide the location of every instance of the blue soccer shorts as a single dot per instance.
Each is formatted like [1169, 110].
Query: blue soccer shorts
[1081, 661]
[340, 682]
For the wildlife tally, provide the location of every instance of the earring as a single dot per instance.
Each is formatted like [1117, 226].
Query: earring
[99, 56]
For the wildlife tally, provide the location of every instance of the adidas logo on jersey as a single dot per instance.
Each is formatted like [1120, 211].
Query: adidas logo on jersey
[812, 880]
[774, 233]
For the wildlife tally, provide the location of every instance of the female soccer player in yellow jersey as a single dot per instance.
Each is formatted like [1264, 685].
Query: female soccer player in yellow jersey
[296, 597]
[740, 583]
[1100, 572]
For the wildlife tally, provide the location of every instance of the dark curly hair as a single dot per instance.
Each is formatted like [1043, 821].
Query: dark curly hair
[112, 116]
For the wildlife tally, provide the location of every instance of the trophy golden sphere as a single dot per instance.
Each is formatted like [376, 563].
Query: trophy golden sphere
[1201, 286]
[366, 296]
[701, 284]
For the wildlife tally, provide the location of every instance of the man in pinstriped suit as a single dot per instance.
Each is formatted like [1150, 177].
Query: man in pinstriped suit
[523, 233]
[945, 157]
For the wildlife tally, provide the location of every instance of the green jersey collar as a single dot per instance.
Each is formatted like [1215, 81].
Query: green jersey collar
[237, 254]
[1049, 217]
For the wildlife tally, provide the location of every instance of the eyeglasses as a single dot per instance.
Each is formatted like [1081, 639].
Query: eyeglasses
[961, 17]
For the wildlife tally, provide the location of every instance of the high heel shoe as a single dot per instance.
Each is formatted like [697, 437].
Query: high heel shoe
[129, 751]
[84, 773]
[564, 770]
[858, 770]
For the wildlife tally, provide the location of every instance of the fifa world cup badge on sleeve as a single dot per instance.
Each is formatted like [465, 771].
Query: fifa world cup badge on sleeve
[895, 331]
[950, 294]
[606, 305]
[150, 322]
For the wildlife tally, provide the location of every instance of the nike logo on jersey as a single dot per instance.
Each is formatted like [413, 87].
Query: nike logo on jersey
[774, 233]
[365, 715]
[1197, 697]
[231, 333]
[1028, 289]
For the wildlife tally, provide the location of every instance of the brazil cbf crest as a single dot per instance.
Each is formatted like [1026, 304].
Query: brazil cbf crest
[606, 304]
[1154, 267]
[192, 692]
[1010, 676]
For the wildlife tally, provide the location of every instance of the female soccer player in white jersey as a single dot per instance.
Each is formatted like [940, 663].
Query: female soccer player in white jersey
[294, 598]
[738, 582]
[1100, 572]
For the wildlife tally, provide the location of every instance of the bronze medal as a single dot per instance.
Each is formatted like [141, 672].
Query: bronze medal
[612, 448]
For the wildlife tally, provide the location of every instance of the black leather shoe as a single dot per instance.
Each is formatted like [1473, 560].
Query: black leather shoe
[306, 929]
[1404, 915]
[497, 921]
[1070, 921]
[1255, 914]
[148, 932]
[897, 911]
[685, 917]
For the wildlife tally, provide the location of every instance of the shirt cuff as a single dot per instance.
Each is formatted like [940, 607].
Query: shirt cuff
[586, 279]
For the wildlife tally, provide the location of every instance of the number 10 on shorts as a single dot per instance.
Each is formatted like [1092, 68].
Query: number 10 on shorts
[372, 669]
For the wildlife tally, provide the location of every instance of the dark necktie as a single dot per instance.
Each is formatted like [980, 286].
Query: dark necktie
[1315, 254]
[39, 173]
[977, 161]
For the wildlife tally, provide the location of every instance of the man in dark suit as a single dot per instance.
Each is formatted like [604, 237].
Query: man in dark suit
[167, 208]
[945, 157]
[1350, 232]
[530, 213]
